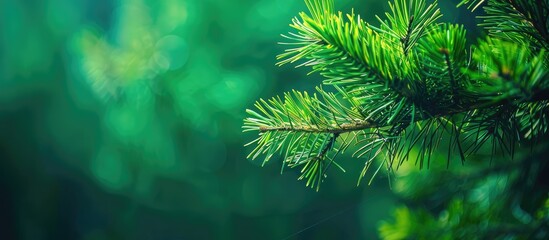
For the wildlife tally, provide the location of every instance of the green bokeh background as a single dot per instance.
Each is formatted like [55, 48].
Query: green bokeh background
[122, 120]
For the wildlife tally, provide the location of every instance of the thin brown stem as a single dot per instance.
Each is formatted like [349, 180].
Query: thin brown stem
[365, 124]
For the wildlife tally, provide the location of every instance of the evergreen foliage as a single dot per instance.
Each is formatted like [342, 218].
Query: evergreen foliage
[408, 83]
[411, 87]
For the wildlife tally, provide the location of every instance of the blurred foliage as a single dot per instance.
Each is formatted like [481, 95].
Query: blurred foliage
[502, 200]
[121, 120]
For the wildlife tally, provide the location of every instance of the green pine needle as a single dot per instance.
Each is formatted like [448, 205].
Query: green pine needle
[408, 88]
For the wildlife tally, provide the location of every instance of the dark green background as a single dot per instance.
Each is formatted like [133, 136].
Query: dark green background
[122, 120]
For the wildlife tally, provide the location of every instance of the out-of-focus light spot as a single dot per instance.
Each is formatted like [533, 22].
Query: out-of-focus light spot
[110, 169]
[127, 122]
[174, 14]
[270, 11]
[161, 61]
[171, 52]
[232, 91]
[202, 72]
[195, 115]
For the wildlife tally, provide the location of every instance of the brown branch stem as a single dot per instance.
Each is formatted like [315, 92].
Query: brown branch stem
[359, 125]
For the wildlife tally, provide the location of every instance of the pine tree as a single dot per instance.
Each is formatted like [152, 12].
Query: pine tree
[410, 86]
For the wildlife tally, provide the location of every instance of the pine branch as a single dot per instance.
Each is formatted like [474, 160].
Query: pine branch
[360, 124]
[409, 21]
[404, 85]
[516, 20]
[362, 60]
[513, 72]
[347, 53]
[494, 85]
[443, 55]
[472, 4]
